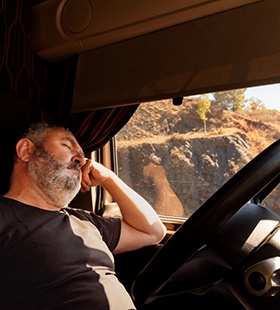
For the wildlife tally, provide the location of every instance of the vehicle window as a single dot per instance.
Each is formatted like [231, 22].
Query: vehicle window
[177, 156]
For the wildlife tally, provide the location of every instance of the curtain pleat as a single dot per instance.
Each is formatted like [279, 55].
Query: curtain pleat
[94, 129]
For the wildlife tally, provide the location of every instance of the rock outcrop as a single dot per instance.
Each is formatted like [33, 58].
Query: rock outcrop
[194, 168]
[162, 154]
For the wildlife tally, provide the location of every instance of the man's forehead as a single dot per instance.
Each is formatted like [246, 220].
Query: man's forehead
[60, 135]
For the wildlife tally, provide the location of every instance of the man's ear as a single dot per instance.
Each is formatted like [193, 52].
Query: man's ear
[24, 149]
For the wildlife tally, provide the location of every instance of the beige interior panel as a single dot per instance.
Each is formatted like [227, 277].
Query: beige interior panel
[236, 48]
[62, 28]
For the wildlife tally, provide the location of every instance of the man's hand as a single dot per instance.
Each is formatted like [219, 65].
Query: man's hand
[93, 174]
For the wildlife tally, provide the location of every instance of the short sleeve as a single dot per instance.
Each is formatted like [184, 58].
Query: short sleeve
[109, 228]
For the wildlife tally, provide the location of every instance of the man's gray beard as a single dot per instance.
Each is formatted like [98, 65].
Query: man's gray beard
[51, 177]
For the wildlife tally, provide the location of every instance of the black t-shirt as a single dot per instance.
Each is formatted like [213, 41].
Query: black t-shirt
[58, 259]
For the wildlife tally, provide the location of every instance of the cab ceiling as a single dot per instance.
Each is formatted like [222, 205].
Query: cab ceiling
[69, 27]
[131, 52]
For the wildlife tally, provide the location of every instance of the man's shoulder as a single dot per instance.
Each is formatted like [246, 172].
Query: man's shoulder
[98, 220]
[9, 203]
[6, 202]
[79, 212]
[84, 215]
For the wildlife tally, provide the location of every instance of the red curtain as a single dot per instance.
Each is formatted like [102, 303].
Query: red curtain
[94, 129]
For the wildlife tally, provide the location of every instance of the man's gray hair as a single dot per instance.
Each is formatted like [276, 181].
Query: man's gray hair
[36, 132]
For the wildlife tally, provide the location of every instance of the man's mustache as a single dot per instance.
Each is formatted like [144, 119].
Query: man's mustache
[74, 166]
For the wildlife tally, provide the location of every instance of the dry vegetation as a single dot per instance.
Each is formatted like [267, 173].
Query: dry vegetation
[261, 128]
[261, 137]
[164, 122]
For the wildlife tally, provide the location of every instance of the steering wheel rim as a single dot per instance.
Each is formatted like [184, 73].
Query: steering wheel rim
[204, 223]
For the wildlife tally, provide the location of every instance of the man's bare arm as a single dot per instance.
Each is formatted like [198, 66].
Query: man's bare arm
[141, 225]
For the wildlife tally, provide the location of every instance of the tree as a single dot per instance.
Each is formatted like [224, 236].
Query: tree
[255, 105]
[203, 107]
[233, 100]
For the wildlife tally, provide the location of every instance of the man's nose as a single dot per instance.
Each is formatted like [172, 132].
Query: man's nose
[79, 159]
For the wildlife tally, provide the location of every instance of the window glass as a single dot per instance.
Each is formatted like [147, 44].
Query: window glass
[177, 156]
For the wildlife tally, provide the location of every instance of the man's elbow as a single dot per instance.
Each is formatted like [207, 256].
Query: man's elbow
[160, 232]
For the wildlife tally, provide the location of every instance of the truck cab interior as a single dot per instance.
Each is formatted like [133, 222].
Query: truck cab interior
[89, 64]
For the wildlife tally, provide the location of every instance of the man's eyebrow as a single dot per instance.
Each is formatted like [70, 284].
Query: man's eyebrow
[73, 142]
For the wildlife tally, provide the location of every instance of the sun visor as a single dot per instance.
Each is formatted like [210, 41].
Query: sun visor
[234, 49]
[62, 28]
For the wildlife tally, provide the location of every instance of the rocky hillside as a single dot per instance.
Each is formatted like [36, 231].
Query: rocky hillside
[196, 163]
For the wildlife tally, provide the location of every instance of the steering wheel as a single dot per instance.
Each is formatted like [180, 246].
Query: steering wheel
[207, 221]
